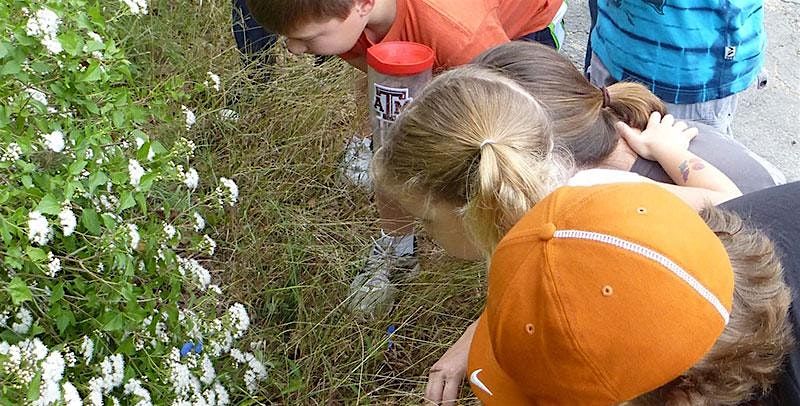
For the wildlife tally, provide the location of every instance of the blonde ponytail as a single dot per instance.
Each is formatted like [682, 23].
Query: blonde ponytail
[476, 140]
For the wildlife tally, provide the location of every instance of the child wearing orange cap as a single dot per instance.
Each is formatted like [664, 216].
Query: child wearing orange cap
[623, 294]
[475, 152]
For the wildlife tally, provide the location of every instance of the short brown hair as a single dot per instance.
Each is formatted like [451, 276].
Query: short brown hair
[283, 16]
[580, 121]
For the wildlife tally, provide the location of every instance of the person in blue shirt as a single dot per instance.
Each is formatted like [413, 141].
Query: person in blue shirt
[696, 55]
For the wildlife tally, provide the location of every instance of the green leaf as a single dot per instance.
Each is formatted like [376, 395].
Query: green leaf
[33, 388]
[49, 205]
[5, 231]
[57, 294]
[64, 319]
[126, 201]
[18, 291]
[10, 68]
[113, 321]
[36, 254]
[71, 42]
[91, 221]
[96, 179]
[76, 167]
[142, 203]
[27, 181]
[118, 118]
[3, 49]
[93, 73]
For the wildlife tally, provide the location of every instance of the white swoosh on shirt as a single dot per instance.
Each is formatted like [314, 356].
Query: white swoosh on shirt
[473, 379]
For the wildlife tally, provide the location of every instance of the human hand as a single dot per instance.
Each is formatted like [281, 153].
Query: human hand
[662, 135]
[447, 374]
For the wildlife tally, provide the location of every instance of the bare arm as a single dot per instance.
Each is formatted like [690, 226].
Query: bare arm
[447, 374]
[666, 141]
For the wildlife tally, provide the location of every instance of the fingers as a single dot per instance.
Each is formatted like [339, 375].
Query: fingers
[680, 125]
[690, 133]
[668, 120]
[435, 387]
[655, 118]
[628, 134]
[450, 393]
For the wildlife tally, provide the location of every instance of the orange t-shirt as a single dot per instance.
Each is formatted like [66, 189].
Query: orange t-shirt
[459, 30]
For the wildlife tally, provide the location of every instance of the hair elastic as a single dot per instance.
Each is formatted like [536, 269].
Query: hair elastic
[486, 142]
[606, 97]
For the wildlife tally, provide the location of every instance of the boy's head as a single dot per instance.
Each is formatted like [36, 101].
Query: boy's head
[600, 295]
[321, 27]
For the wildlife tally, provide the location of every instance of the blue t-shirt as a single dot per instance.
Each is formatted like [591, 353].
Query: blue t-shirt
[684, 51]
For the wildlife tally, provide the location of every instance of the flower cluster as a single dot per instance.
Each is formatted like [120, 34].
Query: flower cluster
[44, 24]
[105, 244]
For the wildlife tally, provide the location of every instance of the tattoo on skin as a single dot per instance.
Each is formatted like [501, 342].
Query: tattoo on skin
[688, 165]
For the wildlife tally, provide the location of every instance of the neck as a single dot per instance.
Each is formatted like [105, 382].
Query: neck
[381, 19]
[621, 158]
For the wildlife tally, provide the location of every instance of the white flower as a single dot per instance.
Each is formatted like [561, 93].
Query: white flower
[39, 231]
[208, 245]
[134, 387]
[240, 320]
[13, 152]
[87, 349]
[54, 141]
[214, 79]
[94, 36]
[54, 266]
[222, 394]
[37, 95]
[190, 117]
[24, 324]
[136, 172]
[52, 44]
[71, 395]
[193, 268]
[44, 24]
[256, 371]
[231, 191]
[199, 222]
[137, 6]
[191, 179]
[52, 372]
[208, 370]
[169, 231]
[68, 221]
[133, 234]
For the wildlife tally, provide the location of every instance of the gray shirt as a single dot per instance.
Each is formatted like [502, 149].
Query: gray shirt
[746, 169]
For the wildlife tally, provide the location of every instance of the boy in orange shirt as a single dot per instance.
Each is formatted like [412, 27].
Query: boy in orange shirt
[457, 31]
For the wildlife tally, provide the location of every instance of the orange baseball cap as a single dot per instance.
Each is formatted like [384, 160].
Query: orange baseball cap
[598, 295]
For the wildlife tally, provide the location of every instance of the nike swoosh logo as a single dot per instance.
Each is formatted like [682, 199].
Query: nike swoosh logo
[473, 379]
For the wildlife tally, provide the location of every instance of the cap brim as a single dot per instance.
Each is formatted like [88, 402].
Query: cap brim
[488, 381]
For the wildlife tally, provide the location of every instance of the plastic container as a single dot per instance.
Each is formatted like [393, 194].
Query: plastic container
[397, 71]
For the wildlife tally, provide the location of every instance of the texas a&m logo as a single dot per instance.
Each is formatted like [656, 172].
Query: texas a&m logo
[389, 102]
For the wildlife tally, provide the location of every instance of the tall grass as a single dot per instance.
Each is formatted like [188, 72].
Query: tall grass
[299, 234]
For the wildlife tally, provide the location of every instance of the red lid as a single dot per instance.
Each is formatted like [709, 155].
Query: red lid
[400, 58]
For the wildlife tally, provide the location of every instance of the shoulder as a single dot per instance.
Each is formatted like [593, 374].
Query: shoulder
[598, 176]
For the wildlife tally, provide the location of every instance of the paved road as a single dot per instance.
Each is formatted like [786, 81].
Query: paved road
[768, 120]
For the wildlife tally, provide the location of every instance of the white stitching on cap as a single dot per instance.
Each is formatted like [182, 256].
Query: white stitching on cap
[653, 255]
